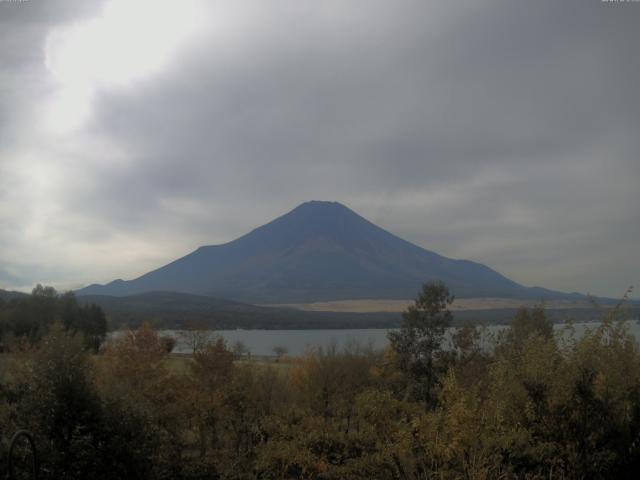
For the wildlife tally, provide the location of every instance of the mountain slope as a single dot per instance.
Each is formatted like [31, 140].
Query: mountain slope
[10, 295]
[319, 251]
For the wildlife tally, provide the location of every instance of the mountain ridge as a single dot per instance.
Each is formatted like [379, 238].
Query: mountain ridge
[319, 251]
[7, 295]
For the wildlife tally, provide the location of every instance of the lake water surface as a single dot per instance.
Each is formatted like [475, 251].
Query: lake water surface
[262, 342]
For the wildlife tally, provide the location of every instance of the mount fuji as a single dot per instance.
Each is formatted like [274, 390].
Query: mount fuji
[320, 251]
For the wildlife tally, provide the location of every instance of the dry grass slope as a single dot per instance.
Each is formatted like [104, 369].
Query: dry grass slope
[377, 305]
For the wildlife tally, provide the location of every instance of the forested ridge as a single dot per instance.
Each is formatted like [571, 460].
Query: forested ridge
[534, 405]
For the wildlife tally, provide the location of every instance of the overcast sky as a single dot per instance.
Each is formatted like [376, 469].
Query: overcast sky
[505, 132]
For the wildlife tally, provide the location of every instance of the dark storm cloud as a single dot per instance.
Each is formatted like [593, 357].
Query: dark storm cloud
[498, 131]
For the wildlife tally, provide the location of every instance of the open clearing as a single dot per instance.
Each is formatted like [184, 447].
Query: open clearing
[377, 305]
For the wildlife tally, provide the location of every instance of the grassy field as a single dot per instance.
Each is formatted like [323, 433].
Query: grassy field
[176, 363]
[462, 304]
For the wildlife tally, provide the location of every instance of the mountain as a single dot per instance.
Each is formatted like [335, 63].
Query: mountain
[319, 251]
[10, 295]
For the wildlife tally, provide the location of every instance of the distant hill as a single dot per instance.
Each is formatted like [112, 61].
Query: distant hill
[8, 295]
[181, 310]
[319, 251]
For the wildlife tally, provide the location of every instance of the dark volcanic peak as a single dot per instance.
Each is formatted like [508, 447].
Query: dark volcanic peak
[319, 251]
[311, 220]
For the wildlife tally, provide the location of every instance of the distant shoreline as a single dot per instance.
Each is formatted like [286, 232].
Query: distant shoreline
[261, 342]
[399, 305]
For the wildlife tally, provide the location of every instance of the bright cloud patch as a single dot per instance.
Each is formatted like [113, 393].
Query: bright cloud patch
[128, 41]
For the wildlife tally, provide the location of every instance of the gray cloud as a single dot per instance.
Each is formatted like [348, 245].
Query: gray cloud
[499, 132]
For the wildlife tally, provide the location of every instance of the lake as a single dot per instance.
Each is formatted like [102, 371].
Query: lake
[262, 342]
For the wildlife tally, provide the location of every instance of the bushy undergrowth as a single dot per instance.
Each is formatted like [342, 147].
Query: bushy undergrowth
[536, 405]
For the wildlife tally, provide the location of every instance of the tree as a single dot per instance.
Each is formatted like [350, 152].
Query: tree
[196, 335]
[418, 342]
[44, 291]
[211, 372]
[280, 351]
[135, 363]
[135, 380]
[240, 349]
[62, 405]
[31, 316]
[466, 340]
[168, 343]
[94, 326]
[530, 322]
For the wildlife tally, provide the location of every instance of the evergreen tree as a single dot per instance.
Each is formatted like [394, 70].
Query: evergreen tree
[418, 342]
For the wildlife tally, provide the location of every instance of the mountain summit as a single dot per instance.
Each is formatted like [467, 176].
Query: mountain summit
[319, 251]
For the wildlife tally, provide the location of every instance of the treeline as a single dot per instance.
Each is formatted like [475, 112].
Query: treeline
[535, 405]
[29, 317]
